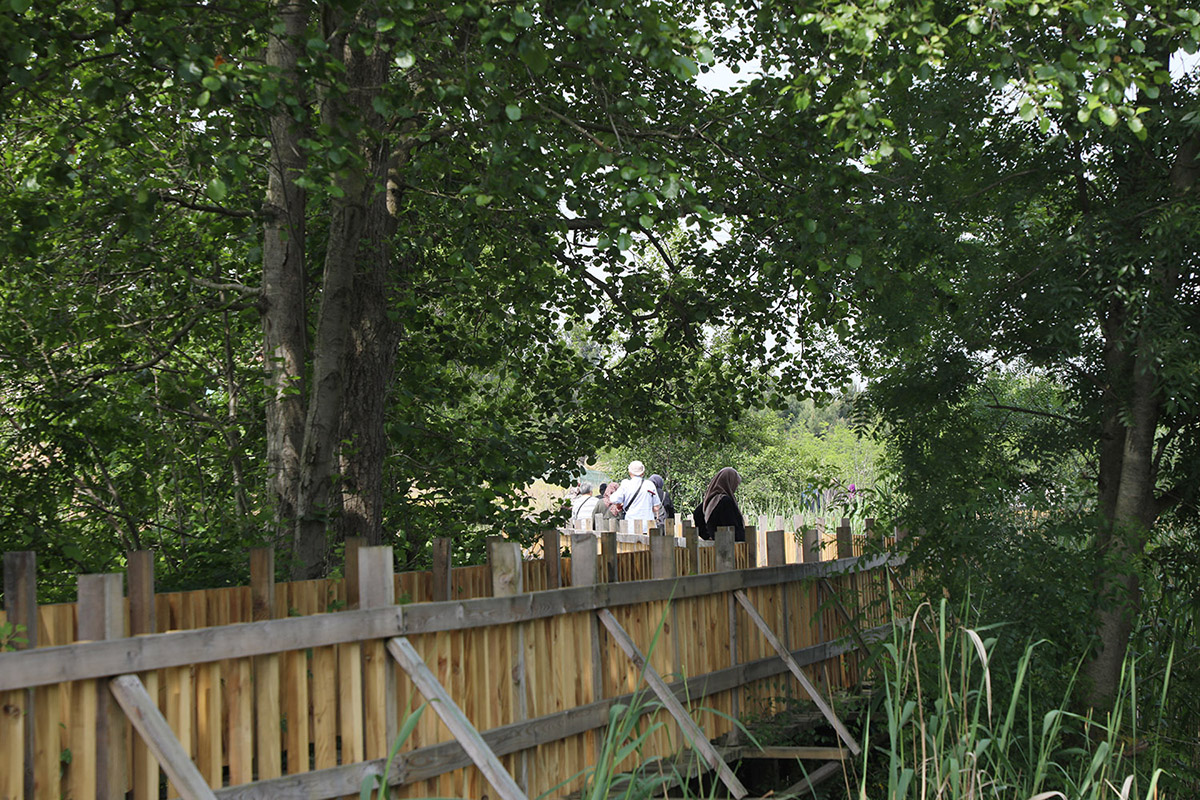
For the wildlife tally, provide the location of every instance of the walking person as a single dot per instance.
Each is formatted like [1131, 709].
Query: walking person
[583, 505]
[718, 509]
[636, 495]
[666, 506]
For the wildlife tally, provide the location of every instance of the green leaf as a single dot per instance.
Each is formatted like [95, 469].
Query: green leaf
[522, 18]
[854, 261]
[513, 112]
[482, 199]
[1108, 116]
[217, 190]
[384, 24]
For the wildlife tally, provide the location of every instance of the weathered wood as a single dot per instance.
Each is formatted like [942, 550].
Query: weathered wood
[445, 707]
[813, 694]
[102, 616]
[662, 557]
[752, 753]
[353, 545]
[440, 576]
[552, 556]
[262, 583]
[20, 608]
[776, 548]
[726, 560]
[845, 540]
[693, 547]
[583, 559]
[691, 731]
[49, 665]
[812, 545]
[377, 589]
[751, 546]
[507, 580]
[139, 572]
[150, 724]
[608, 555]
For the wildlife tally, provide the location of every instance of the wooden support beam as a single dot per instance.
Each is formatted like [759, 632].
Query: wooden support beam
[353, 543]
[608, 553]
[691, 731]
[449, 712]
[139, 580]
[153, 729]
[101, 616]
[377, 587]
[442, 586]
[662, 556]
[806, 753]
[508, 580]
[845, 540]
[20, 607]
[693, 547]
[824, 708]
[812, 543]
[552, 556]
[268, 669]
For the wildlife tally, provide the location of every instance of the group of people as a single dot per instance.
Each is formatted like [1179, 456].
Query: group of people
[641, 498]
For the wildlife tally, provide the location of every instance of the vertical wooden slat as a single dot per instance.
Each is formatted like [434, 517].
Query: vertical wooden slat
[442, 547]
[18, 727]
[751, 547]
[101, 616]
[239, 702]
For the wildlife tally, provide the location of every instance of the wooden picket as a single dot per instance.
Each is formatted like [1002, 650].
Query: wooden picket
[316, 711]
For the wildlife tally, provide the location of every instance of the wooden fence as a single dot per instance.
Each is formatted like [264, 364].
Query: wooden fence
[296, 690]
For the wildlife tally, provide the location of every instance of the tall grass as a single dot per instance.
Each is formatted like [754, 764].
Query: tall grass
[949, 736]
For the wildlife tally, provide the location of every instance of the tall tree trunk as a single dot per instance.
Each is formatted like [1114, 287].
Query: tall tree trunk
[284, 317]
[374, 339]
[360, 189]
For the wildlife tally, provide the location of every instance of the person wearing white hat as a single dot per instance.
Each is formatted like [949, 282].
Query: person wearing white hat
[637, 496]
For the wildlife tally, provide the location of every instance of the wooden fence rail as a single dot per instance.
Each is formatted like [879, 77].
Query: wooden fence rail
[260, 704]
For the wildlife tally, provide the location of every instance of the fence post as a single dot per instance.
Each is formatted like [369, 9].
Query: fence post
[583, 559]
[377, 589]
[662, 555]
[552, 556]
[20, 605]
[812, 544]
[693, 547]
[139, 578]
[845, 540]
[751, 546]
[441, 578]
[776, 549]
[268, 713]
[821, 544]
[608, 553]
[726, 560]
[101, 604]
[350, 568]
[508, 580]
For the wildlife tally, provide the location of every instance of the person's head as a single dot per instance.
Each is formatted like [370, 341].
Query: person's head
[585, 487]
[726, 481]
[657, 480]
[603, 489]
[636, 469]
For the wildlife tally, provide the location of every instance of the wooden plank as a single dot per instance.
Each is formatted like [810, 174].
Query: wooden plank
[845, 540]
[583, 559]
[18, 779]
[350, 707]
[805, 753]
[445, 707]
[150, 724]
[726, 561]
[608, 555]
[692, 733]
[48, 665]
[353, 543]
[505, 558]
[377, 589]
[239, 698]
[662, 557]
[101, 616]
[433, 760]
[262, 583]
[552, 556]
[324, 707]
[442, 548]
[776, 548]
[812, 545]
[692, 540]
[813, 694]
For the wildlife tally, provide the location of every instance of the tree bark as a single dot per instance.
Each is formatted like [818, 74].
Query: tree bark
[284, 315]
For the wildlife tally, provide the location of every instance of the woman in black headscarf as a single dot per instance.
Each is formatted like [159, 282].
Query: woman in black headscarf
[666, 506]
[718, 509]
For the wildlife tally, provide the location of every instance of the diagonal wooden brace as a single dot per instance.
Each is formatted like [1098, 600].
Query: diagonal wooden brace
[160, 740]
[824, 708]
[466, 733]
[691, 730]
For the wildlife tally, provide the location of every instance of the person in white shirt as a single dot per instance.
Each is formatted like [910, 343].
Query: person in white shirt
[637, 495]
[583, 505]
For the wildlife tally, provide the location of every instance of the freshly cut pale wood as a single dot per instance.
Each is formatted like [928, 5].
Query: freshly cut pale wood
[691, 731]
[445, 707]
[150, 724]
[813, 694]
[48, 665]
